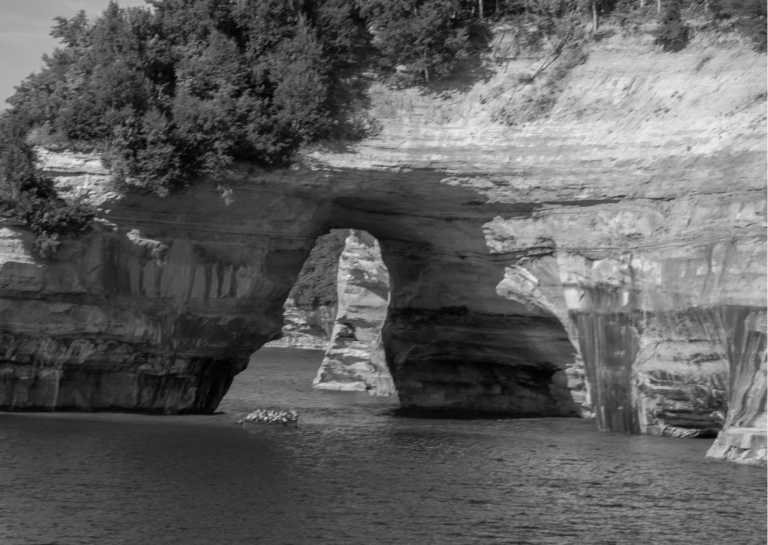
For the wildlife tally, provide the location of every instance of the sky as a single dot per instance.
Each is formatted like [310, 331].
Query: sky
[24, 34]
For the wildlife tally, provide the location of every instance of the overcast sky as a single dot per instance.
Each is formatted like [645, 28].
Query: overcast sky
[24, 34]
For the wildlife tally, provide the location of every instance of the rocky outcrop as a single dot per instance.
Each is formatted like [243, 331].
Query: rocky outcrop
[355, 357]
[305, 328]
[743, 438]
[309, 312]
[620, 238]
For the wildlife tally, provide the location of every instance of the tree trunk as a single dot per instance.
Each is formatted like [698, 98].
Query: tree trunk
[642, 4]
[658, 7]
[594, 16]
[480, 8]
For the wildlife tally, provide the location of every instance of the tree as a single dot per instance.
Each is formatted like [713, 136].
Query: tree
[672, 33]
[425, 36]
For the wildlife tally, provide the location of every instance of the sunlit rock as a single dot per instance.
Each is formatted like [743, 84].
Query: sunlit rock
[355, 360]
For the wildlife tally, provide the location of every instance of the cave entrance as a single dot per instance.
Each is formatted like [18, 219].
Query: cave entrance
[331, 336]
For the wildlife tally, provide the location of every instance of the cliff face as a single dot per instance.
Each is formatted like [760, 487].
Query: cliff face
[620, 238]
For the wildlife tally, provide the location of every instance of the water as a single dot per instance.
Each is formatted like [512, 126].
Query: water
[351, 474]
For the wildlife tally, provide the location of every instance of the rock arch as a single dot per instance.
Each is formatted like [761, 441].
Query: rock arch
[161, 316]
[628, 223]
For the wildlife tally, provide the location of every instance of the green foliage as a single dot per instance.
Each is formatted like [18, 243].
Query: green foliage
[189, 87]
[672, 34]
[194, 85]
[424, 38]
[32, 197]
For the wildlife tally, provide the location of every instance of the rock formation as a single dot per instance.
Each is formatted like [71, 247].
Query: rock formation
[309, 311]
[743, 438]
[355, 357]
[619, 238]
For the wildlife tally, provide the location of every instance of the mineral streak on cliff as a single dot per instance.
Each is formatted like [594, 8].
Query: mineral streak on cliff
[743, 438]
[619, 238]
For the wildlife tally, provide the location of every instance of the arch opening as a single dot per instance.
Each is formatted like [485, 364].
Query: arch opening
[332, 325]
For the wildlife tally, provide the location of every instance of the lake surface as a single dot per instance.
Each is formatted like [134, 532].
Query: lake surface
[353, 474]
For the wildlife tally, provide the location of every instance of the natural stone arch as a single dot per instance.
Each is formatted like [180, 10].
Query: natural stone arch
[459, 359]
[206, 288]
[338, 305]
[453, 344]
[653, 217]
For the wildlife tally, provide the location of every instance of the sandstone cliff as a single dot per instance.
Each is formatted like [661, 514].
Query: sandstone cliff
[619, 239]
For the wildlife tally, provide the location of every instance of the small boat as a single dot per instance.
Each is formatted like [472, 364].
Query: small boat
[286, 417]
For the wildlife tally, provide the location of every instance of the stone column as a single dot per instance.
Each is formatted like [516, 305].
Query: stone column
[355, 356]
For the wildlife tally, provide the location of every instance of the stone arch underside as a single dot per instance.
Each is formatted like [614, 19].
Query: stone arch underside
[453, 345]
[161, 316]
[496, 306]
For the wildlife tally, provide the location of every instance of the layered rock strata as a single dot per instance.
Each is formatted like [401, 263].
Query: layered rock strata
[619, 238]
[743, 438]
[355, 357]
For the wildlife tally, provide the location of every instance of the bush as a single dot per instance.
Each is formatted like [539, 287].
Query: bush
[749, 17]
[49, 217]
[191, 86]
[194, 85]
[32, 197]
[424, 38]
[672, 34]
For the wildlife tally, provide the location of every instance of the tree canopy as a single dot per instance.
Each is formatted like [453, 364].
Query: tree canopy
[182, 88]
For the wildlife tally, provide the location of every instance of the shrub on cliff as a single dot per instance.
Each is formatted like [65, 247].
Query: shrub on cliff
[191, 86]
[31, 197]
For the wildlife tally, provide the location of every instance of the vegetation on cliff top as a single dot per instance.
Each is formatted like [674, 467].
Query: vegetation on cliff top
[31, 197]
[187, 87]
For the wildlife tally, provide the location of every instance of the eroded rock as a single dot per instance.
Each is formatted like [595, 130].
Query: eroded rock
[621, 238]
[355, 360]
[310, 310]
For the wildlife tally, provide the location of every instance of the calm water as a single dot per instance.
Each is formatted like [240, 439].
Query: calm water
[351, 474]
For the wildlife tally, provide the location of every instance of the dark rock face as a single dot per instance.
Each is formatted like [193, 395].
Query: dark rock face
[620, 239]
[310, 310]
[484, 363]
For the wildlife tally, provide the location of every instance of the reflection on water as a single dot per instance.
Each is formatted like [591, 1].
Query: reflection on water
[352, 474]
